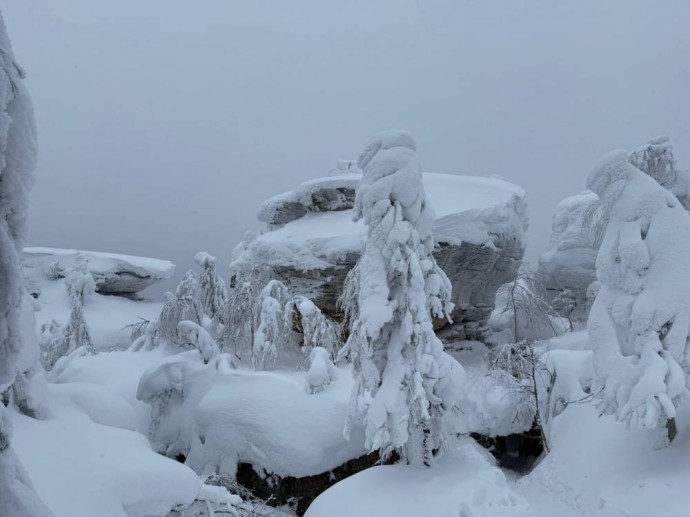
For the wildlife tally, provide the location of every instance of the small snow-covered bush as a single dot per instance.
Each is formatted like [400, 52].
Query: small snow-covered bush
[49, 341]
[195, 335]
[321, 370]
[527, 382]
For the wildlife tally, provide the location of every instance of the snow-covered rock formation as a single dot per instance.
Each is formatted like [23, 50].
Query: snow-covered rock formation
[311, 241]
[569, 263]
[114, 273]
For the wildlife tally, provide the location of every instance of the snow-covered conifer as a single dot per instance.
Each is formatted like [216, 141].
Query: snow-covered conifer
[241, 312]
[273, 329]
[321, 370]
[49, 341]
[183, 305]
[397, 357]
[79, 284]
[212, 289]
[19, 354]
[640, 320]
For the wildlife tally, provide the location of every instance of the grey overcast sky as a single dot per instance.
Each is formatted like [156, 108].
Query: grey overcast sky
[163, 124]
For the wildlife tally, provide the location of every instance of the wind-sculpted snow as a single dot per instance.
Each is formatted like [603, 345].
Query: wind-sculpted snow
[640, 321]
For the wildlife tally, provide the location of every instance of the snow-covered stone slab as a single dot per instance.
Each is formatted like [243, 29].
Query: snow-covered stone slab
[113, 273]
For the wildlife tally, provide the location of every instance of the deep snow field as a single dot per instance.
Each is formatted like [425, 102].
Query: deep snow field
[90, 456]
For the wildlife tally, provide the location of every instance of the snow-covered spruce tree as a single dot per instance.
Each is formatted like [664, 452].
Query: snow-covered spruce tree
[212, 291]
[398, 360]
[273, 329]
[20, 370]
[79, 284]
[241, 312]
[183, 305]
[639, 322]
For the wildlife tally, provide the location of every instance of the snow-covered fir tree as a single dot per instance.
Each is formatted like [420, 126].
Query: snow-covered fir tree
[20, 370]
[183, 305]
[79, 284]
[640, 320]
[273, 329]
[398, 360]
[212, 290]
[241, 312]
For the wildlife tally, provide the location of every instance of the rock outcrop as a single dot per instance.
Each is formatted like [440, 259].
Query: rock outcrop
[570, 262]
[115, 274]
[311, 241]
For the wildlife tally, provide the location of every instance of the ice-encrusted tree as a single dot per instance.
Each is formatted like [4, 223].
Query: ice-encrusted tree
[273, 329]
[20, 370]
[183, 305]
[240, 314]
[212, 290]
[79, 284]
[639, 322]
[399, 363]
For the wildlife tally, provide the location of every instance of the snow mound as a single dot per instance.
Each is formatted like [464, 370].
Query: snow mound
[113, 273]
[271, 421]
[112, 472]
[464, 483]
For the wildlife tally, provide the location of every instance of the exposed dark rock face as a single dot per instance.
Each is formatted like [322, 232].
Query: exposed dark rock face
[298, 492]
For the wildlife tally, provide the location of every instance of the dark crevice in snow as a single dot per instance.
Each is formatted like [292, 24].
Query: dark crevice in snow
[516, 452]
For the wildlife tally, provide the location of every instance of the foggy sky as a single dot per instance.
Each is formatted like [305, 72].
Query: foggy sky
[163, 124]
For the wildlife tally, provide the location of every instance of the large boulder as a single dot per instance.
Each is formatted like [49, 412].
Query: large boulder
[116, 274]
[311, 241]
